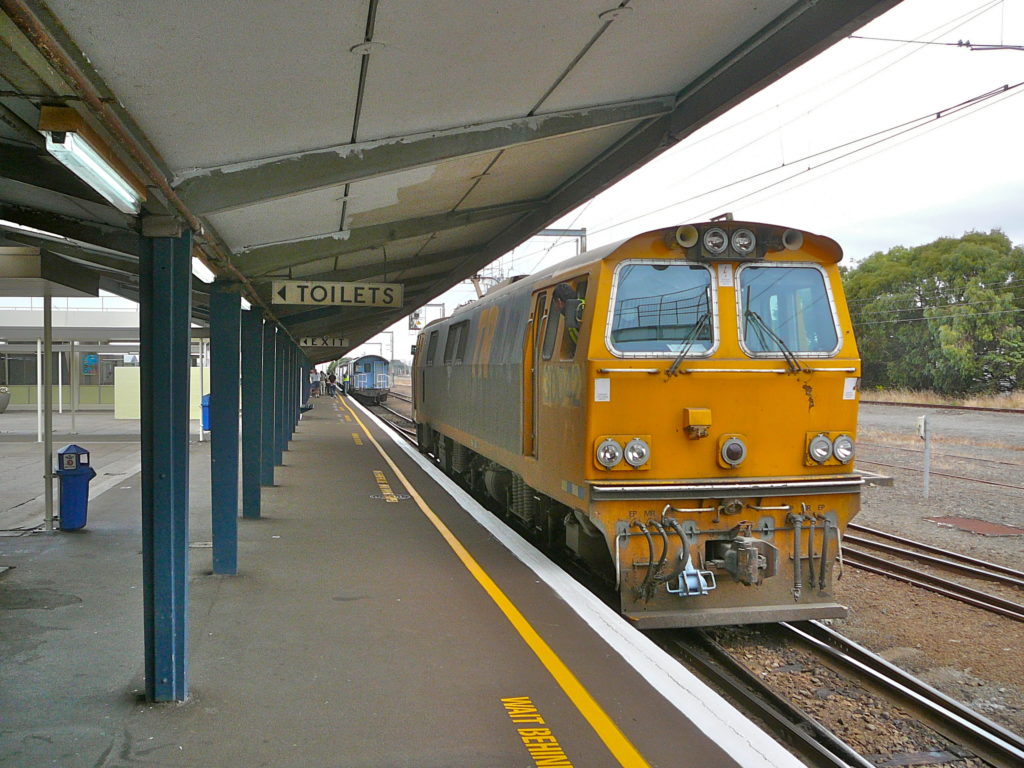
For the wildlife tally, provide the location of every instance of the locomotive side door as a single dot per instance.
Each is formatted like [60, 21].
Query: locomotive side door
[531, 355]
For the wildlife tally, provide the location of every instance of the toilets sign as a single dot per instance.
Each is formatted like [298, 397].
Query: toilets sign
[336, 294]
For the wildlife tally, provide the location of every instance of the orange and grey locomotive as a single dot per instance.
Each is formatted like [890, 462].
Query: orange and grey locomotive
[677, 411]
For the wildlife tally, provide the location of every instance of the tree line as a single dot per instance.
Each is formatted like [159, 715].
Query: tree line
[947, 316]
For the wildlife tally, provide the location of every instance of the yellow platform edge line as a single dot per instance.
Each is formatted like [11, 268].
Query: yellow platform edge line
[606, 729]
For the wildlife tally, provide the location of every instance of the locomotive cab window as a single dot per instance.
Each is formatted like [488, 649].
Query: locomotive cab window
[572, 311]
[451, 343]
[431, 348]
[554, 320]
[455, 343]
[786, 309]
[662, 308]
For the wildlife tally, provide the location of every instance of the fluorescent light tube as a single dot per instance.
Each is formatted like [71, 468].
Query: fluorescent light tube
[86, 163]
[202, 271]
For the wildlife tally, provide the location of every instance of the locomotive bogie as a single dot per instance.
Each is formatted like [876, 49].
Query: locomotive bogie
[677, 411]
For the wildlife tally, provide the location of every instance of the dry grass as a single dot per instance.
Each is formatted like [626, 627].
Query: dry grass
[1008, 400]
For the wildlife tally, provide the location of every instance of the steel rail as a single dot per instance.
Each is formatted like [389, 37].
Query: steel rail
[986, 739]
[974, 597]
[402, 416]
[863, 444]
[973, 571]
[943, 407]
[406, 434]
[943, 474]
[811, 740]
[937, 550]
[401, 396]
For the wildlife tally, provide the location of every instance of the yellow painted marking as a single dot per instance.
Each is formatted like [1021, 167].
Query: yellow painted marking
[541, 743]
[357, 438]
[385, 488]
[620, 747]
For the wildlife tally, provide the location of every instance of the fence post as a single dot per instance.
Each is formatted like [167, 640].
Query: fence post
[925, 434]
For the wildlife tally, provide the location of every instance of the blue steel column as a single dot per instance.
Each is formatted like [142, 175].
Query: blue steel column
[287, 391]
[296, 386]
[268, 443]
[280, 401]
[165, 298]
[303, 384]
[289, 378]
[252, 411]
[225, 322]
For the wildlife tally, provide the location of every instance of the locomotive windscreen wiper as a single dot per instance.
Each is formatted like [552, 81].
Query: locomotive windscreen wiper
[763, 330]
[691, 337]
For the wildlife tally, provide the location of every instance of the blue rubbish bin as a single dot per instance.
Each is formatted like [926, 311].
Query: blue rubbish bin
[204, 405]
[74, 473]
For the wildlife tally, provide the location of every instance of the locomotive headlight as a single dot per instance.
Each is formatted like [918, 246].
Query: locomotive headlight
[842, 448]
[743, 242]
[716, 241]
[637, 452]
[734, 451]
[820, 449]
[609, 453]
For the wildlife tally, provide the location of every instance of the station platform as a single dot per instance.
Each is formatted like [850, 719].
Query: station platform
[379, 618]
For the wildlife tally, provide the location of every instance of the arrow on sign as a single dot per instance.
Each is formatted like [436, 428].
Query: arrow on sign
[335, 294]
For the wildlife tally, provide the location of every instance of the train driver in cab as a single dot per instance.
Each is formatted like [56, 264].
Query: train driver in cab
[571, 307]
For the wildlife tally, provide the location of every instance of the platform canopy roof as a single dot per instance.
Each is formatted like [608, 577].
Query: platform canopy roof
[384, 141]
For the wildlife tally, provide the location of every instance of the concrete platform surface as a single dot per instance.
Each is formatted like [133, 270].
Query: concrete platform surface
[113, 445]
[369, 625]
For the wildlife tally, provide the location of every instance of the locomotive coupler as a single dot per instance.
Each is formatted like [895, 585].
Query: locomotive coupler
[747, 559]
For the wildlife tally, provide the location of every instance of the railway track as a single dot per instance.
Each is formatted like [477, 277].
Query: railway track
[953, 562]
[991, 568]
[812, 741]
[935, 455]
[933, 473]
[803, 732]
[942, 407]
[961, 724]
[396, 420]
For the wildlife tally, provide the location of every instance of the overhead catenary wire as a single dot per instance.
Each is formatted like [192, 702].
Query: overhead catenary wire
[1006, 91]
[830, 84]
[881, 138]
[874, 139]
[1009, 284]
[884, 138]
[958, 44]
[954, 315]
[923, 308]
[833, 95]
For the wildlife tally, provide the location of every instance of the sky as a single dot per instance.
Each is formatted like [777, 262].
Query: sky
[873, 143]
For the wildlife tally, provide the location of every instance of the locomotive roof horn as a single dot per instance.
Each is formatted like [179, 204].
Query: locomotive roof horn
[687, 236]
